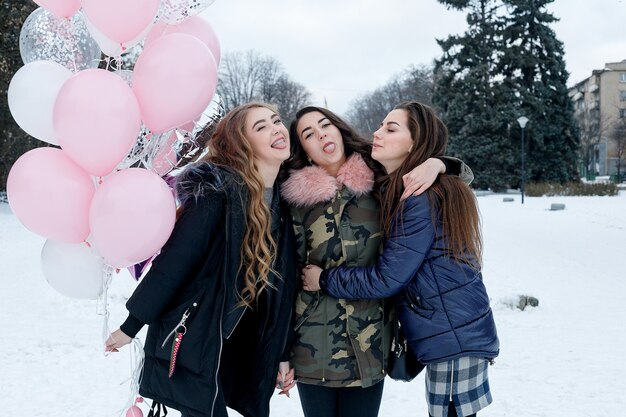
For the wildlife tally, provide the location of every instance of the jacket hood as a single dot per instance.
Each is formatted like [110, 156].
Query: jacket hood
[196, 180]
[312, 185]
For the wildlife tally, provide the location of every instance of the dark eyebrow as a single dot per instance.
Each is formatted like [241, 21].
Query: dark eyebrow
[309, 127]
[273, 116]
[394, 123]
[257, 122]
[305, 129]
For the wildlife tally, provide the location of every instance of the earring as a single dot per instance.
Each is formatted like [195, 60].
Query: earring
[308, 158]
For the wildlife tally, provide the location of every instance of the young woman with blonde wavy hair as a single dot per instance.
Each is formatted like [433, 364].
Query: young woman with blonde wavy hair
[219, 296]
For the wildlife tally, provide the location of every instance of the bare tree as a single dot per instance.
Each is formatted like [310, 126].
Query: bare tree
[592, 128]
[618, 137]
[248, 76]
[368, 111]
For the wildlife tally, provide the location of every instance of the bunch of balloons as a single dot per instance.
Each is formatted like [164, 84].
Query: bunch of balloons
[86, 195]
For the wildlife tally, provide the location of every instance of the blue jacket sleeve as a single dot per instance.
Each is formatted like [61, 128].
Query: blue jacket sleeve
[403, 255]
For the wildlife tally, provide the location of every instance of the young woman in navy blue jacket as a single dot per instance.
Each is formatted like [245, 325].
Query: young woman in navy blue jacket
[431, 264]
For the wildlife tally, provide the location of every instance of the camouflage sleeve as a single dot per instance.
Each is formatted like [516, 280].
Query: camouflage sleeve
[455, 166]
[300, 239]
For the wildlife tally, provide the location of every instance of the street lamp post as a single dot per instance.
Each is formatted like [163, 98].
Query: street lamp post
[522, 123]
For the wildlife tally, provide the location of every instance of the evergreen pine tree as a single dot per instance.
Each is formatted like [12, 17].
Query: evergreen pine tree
[534, 70]
[13, 141]
[473, 100]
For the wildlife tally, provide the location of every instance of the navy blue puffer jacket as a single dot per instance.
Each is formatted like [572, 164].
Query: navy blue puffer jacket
[442, 304]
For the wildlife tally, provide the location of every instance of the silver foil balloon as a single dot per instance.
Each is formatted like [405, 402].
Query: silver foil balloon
[126, 75]
[213, 113]
[45, 37]
[138, 150]
[192, 145]
[175, 11]
[150, 150]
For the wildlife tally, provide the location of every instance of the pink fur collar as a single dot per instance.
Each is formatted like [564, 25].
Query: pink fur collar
[312, 185]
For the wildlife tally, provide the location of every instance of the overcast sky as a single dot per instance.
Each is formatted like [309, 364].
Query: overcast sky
[340, 49]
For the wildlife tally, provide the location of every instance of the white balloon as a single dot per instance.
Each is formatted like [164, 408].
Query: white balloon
[175, 11]
[73, 270]
[32, 92]
[110, 47]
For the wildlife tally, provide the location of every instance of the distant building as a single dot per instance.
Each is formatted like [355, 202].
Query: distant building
[600, 103]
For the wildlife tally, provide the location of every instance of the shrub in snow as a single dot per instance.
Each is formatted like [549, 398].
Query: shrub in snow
[570, 189]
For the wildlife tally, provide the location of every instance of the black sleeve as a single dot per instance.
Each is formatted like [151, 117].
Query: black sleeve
[455, 166]
[131, 326]
[180, 258]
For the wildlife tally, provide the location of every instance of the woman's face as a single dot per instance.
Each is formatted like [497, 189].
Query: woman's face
[322, 141]
[267, 135]
[392, 142]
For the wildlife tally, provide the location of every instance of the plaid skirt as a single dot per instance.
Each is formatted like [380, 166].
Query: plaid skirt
[463, 381]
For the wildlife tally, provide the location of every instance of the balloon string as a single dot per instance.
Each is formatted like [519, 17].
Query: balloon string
[137, 358]
[102, 308]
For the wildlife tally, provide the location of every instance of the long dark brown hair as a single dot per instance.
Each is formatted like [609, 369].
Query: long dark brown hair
[230, 148]
[455, 203]
[353, 142]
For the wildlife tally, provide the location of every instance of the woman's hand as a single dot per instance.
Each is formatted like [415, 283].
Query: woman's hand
[311, 277]
[117, 339]
[285, 379]
[422, 177]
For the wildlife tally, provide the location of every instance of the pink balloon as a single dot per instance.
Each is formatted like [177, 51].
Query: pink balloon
[96, 120]
[134, 411]
[188, 126]
[51, 195]
[195, 26]
[60, 8]
[131, 217]
[121, 20]
[174, 80]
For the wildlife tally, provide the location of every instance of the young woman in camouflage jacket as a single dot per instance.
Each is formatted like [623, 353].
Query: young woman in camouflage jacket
[431, 263]
[340, 346]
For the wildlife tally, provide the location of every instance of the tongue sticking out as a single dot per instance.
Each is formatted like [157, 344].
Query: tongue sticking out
[329, 147]
[279, 144]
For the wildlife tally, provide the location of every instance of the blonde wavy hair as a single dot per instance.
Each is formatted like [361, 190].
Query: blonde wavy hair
[229, 147]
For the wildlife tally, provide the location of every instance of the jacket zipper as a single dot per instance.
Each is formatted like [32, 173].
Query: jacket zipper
[219, 356]
[180, 323]
[236, 323]
[303, 319]
[219, 361]
[324, 344]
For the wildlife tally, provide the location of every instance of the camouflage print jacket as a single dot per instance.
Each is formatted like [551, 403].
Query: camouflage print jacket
[337, 343]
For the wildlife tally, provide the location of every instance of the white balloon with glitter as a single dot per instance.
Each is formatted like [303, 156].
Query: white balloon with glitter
[175, 11]
[45, 37]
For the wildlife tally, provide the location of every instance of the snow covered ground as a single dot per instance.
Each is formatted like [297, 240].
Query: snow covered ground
[566, 357]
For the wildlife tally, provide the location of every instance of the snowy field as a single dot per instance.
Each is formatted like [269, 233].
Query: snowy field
[566, 357]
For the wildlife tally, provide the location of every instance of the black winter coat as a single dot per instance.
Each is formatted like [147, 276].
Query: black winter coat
[201, 259]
